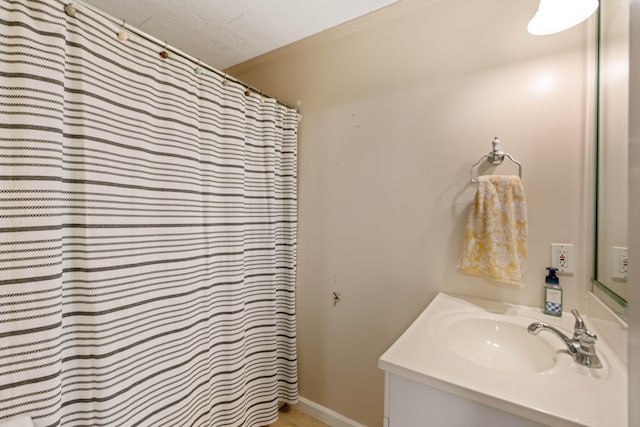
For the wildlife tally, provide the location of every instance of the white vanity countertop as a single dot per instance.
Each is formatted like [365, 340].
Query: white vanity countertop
[565, 394]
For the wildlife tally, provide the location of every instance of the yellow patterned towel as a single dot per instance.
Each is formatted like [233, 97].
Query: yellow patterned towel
[495, 239]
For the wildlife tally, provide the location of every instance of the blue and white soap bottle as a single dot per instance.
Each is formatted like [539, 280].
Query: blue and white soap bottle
[552, 294]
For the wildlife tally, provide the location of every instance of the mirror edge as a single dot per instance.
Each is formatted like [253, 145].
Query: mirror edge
[612, 300]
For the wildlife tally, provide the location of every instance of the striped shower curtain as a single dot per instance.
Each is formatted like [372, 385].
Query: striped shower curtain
[147, 232]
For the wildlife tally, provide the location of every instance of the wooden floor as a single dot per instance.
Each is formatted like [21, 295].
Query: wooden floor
[290, 417]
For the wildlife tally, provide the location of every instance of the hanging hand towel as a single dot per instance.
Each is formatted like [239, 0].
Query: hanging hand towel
[495, 239]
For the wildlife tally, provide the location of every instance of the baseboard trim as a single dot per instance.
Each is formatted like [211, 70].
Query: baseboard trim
[323, 414]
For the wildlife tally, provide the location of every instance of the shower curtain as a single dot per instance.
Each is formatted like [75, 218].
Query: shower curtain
[147, 232]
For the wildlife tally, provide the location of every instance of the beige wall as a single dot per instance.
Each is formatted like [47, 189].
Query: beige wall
[396, 107]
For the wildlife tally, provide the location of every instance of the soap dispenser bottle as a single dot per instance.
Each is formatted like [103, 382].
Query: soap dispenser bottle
[552, 294]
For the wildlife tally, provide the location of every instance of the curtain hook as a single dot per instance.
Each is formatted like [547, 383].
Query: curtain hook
[225, 82]
[164, 54]
[122, 34]
[261, 97]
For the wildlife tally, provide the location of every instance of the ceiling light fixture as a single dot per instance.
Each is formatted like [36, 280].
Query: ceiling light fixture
[557, 15]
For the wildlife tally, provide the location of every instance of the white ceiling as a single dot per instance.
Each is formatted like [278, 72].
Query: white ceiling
[222, 33]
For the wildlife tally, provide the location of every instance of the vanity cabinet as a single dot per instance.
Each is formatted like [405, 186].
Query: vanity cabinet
[409, 403]
[468, 362]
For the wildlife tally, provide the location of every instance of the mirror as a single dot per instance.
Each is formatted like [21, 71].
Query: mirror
[611, 265]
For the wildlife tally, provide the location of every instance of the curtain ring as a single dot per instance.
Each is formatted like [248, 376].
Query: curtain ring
[70, 9]
[123, 36]
[197, 70]
[164, 54]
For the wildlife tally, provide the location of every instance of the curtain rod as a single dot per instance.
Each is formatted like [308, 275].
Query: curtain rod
[70, 10]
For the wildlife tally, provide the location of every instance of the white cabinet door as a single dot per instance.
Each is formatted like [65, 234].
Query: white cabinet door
[411, 404]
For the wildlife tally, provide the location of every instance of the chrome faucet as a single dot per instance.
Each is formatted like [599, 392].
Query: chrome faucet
[582, 346]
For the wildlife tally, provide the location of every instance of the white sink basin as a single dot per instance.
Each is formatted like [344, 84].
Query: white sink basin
[481, 350]
[500, 345]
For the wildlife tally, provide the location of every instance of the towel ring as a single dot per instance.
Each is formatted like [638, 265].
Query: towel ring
[495, 157]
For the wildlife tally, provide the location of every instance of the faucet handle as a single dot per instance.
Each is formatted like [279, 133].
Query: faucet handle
[579, 325]
[585, 353]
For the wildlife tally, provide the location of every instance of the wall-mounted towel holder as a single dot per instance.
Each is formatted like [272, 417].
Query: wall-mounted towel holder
[495, 157]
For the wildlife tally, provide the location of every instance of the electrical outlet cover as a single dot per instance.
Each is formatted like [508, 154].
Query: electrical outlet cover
[562, 257]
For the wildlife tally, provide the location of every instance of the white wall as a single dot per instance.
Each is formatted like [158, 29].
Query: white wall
[396, 107]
